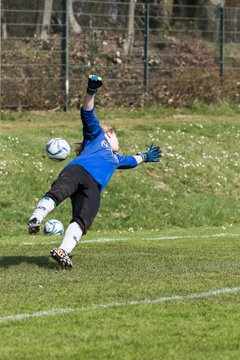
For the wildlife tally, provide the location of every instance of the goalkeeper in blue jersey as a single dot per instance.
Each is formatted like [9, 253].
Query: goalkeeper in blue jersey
[84, 178]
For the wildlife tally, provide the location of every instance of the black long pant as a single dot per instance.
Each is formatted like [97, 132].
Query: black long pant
[84, 191]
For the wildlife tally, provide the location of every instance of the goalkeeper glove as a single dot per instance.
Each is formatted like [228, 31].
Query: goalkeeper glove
[152, 154]
[94, 82]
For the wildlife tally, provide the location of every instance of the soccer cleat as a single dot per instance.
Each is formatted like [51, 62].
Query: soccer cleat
[62, 258]
[34, 226]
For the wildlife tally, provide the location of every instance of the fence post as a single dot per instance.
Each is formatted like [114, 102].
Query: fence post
[146, 38]
[222, 40]
[64, 53]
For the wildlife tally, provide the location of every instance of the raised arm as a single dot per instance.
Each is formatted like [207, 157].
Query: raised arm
[88, 102]
[91, 127]
[94, 82]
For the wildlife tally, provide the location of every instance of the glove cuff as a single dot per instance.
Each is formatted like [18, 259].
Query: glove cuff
[143, 155]
[91, 91]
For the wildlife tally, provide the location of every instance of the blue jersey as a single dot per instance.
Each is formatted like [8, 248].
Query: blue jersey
[97, 156]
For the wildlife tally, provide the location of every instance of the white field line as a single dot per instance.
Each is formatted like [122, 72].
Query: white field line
[160, 238]
[54, 312]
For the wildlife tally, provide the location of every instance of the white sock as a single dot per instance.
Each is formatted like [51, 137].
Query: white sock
[44, 207]
[71, 237]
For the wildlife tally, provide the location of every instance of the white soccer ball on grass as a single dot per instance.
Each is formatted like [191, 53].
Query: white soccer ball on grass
[53, 227]
[58, 149]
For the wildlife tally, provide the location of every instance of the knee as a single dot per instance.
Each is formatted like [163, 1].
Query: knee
[53, 197]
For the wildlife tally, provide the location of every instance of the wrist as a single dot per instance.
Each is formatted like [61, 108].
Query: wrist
[91, 91]
[144, 156]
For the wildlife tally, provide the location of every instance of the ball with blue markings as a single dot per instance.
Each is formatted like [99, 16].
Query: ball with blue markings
[53, 227]
[58, 149]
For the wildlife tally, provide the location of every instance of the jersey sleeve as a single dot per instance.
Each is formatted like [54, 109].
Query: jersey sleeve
[126, 162]
[91, 125]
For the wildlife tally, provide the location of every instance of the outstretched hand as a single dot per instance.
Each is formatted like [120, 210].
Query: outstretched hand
[94, 82]
[152, 154]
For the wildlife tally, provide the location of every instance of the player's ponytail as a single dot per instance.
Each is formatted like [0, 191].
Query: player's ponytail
[78, 148]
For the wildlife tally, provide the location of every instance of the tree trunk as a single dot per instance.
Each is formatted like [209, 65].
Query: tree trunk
[3, 22]
[76, 28]
[46, 19]
[162, 14]
[232, 20]
[38, 19]
[207, 17]
[130, 39]
[3, 26]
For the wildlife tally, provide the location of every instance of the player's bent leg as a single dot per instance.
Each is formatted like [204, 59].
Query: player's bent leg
[44, 207]
[62, 258]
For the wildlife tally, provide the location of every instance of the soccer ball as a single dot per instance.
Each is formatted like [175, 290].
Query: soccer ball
[58, 149]
[53, 227]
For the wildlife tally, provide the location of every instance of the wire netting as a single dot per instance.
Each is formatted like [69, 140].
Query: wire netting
[170, 55]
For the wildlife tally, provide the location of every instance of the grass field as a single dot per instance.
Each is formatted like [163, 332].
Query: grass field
[121, 299]
[157, 276]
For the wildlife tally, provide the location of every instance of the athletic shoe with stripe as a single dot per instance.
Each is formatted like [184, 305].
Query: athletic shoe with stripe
[62, 258]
